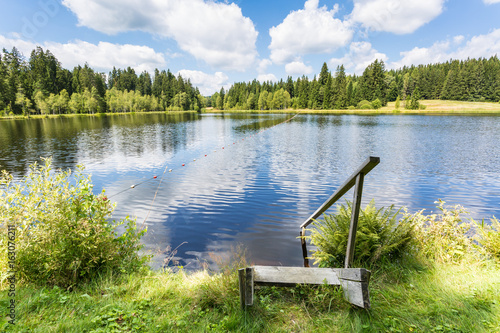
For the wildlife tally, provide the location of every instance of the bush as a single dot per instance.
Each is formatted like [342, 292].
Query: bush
[379, 236]
[377, 104]
[442, 237]
[489, 237]
[62, 235]
[364, 105]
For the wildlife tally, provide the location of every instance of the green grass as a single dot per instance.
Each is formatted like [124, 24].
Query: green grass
[72, 115]
[405, 297]
[432, 107]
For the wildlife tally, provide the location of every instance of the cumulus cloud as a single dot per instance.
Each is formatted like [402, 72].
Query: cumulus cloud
[263, 64]
[207, 83]
[308, 30]
[298, 68]
[396, 16]
[102, 56]
[438, 52]
[490, 2]
[267, 77]
[360, 55]
[481, 46]
[214, 32]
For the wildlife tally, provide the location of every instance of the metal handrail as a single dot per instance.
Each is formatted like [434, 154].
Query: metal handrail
[356, 179]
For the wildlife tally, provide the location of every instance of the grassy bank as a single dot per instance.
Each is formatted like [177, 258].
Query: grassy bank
[432, 107]
[412, 297]
[72, 115]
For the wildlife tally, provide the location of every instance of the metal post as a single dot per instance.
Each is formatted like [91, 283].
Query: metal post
[304, 247]
[356, 204]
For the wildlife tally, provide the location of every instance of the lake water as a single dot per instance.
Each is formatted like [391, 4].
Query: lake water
[268, 179]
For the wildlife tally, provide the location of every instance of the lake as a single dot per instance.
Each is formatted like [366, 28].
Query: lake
[270, 175]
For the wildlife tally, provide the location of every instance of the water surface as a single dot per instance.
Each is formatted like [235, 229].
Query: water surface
[269, 177]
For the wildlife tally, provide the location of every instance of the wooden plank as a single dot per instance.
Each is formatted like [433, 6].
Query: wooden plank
[287, 276]
[366, 167]
[354, 281]
[241, 279]
[356, 293]
[249, 284]
[356, 205]
[355, 274]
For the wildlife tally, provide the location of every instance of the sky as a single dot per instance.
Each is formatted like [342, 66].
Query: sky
[217, 43]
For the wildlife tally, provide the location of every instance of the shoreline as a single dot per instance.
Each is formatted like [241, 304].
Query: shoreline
[433, 107]
[76, 115]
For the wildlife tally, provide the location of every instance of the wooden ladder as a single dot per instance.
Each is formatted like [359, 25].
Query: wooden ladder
[354, 281]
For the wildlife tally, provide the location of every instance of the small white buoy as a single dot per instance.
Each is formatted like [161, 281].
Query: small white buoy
[170, 170]
[132, 186]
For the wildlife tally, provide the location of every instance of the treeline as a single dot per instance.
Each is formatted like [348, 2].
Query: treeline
[467, 80]
[40, 85]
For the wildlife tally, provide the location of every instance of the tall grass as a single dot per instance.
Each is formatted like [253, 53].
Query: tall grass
[61, 230]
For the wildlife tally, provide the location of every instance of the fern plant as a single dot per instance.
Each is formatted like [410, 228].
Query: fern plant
[379, 235]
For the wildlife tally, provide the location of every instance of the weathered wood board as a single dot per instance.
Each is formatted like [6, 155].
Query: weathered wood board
[354, 281]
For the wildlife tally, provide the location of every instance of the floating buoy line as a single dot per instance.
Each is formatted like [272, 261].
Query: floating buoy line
[154, 177]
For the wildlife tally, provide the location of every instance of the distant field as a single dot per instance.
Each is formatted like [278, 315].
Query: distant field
[432, 107]
[450, 106]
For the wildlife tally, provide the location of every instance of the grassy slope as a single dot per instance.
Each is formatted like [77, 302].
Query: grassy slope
[449, 298]
[432, 107]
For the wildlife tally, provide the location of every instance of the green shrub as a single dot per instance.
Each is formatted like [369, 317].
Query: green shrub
[364, 105]
[62, 233]
[377, 104]
[351, 107]
[489, 237]
[442, 237]
[398, 102]
[379, 235]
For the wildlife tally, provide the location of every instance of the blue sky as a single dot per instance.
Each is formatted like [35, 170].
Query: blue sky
[216, 43]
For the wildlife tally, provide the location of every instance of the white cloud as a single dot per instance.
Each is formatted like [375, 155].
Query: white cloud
[361, 54]
[267, 77]
[457, 40]
[396, 16]
[214, 32]
[308, 30]
[207, 83]
[101, 57]
[490, 2]
[263, 75]
[481, 46]
[25, 47]
[298, 68]
[263, 64]
[422, 55]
